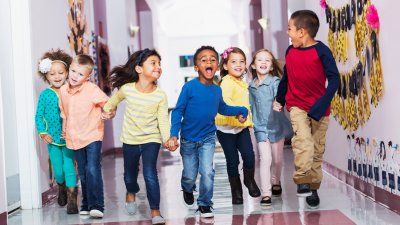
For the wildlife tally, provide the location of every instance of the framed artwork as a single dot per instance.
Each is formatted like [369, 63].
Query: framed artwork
[186, 61]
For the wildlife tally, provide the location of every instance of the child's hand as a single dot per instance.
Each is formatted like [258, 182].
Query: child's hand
[46, 138]
[172, 144]
[108, 115]
[277, 106]
[241, 118]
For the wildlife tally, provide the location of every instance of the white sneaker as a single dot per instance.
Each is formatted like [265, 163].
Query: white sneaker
[96, 213]
[131, 207]
[157, 220]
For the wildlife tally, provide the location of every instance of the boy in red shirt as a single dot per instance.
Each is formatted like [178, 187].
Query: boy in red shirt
[309, 63]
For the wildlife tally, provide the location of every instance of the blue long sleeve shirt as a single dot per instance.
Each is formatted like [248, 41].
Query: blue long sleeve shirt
[195, 111]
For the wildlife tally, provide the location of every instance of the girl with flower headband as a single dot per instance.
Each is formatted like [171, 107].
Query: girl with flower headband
[145, 125]
[233, 135]
[53, 69]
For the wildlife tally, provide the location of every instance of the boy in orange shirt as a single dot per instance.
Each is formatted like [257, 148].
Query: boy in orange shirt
[81, 105]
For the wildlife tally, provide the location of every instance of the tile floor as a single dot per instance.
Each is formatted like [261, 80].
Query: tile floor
[340, 204]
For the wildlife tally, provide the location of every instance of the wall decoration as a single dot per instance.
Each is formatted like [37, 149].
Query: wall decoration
[186, 61]
[362, 85]
[374, 161]
[78, 27]
[103, 64]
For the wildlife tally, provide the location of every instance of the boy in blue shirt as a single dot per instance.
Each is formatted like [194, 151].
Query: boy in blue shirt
[194, 116]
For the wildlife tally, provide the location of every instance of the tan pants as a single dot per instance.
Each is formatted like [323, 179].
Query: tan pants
[308, 145]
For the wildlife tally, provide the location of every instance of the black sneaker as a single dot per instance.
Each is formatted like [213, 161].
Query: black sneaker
[188, 199]
[205, 211]
[266, 201]
[313, 200]
[303, 190]
[276, 190]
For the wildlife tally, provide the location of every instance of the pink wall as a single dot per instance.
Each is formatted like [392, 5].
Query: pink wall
[100, 15]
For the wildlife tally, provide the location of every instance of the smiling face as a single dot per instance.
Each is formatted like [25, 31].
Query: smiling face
[206, 65]
[236, 65]
[295, 34]
[263, 63]
[57, 75]
[78, 74]
[151, 68]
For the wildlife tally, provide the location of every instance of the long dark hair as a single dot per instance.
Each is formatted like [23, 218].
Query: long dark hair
[276, 70]
[124, 74]
[225, 57]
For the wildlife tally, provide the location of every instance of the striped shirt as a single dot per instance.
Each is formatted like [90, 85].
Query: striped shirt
[146, 115]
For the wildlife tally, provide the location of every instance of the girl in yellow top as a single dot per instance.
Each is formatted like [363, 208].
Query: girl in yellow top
[145, 124]
[234, 136]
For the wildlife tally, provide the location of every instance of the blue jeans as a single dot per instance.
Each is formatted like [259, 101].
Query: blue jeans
[198, 157]
[232, 144]
[89, 169]
[149, 153]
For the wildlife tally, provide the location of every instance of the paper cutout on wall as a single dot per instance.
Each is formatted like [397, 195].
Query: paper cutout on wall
[78, 27]
[362, 85]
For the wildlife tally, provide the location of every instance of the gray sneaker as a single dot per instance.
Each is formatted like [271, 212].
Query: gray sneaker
[157, 220]
[131, 207]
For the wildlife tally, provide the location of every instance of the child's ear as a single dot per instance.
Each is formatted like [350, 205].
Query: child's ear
[225, 66]
[138, 69]
[196, 68]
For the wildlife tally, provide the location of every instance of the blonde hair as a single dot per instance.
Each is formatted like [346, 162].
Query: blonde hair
[84, 60]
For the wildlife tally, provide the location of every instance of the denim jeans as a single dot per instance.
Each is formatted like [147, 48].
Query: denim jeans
[149, 153]
[232, 144]
[89, 170]
[198, 157]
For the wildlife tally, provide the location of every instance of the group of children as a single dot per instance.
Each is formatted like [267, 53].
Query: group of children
[70, 120]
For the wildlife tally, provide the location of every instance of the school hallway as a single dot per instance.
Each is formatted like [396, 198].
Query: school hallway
[340, 203]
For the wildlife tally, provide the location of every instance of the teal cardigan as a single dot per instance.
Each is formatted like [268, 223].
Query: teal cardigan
[47, 118]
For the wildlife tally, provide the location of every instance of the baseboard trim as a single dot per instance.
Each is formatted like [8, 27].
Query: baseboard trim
[3, 218]
[377, 194]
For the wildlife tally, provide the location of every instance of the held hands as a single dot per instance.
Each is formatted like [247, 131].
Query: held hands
[171, 144]
[276, 106]
[108, 115]
[241, 118]
[46, 138]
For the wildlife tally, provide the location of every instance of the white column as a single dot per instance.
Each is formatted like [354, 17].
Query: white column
[24, 104]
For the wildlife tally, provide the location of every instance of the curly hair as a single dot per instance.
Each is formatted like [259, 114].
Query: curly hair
[57, 54]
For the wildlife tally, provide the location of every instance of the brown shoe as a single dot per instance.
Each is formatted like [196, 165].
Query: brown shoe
[62, 194]
[72, 207]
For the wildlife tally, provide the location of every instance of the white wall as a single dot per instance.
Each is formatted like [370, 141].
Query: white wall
[120, 15]
[384, 122]
[3, 196]
[181, 28]
[275, 36]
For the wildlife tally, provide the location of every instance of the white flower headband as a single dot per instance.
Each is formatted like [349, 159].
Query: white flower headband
[45, 64]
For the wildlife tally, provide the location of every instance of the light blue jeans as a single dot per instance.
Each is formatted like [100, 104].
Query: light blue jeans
[198, 157]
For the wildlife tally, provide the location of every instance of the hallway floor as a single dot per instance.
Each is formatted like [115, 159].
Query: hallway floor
[340, 204]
